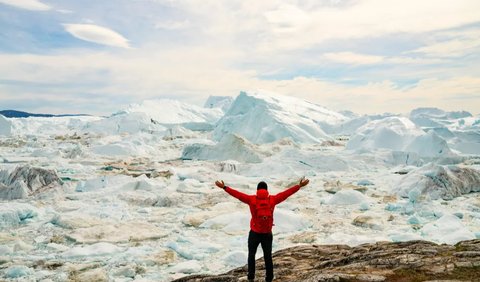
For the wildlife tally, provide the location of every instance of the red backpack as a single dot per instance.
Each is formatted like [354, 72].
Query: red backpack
[263, 215]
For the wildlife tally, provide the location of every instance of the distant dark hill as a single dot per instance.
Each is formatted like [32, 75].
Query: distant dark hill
[20, 114]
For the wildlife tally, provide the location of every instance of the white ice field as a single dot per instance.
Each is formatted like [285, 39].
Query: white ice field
[137, 200]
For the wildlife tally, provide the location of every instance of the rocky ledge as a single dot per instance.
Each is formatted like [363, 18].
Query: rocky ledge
[382, 261]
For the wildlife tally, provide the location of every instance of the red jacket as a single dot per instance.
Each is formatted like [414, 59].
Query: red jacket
[262, 194]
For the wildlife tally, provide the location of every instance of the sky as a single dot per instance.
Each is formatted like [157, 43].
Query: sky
[366, 56]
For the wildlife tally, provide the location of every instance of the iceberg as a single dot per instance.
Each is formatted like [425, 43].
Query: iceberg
[398, 134]
[98, 249]
[26, 181]
[168, 112]
[5, 126]
[448, 229]
[124, 122]
[14, 214]
[231, 147]
[263, 117]
[392, 133]
[348, 197]
[439, 181]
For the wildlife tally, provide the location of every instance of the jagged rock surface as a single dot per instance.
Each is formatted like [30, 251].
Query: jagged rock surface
[382, 261]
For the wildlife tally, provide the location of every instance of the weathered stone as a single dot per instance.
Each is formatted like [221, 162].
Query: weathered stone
[368, 222]
[381, 261]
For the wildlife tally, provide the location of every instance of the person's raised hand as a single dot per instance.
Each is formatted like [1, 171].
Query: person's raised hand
[220, 184]
[303, 181]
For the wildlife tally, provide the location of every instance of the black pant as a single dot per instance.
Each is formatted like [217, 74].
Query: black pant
[265, 239]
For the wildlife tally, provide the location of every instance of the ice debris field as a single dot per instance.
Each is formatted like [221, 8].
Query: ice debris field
[131, 196]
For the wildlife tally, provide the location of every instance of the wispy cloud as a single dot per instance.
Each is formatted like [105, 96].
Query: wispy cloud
[97, 34]
[366, 18]
[363, 55]
[172, 25]
[452, 44]
[34, 5]
[353, 58]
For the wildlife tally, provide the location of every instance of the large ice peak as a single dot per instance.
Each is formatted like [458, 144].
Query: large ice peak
[263, 117]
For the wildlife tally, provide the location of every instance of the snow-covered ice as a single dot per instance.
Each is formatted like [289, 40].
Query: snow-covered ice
[263, 117]
[134, 195]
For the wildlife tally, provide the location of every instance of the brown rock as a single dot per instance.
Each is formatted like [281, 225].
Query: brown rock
[382, 261]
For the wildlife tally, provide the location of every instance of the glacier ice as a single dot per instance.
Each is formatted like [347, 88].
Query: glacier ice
[5, 126]
[17, 271]
[230, 147]
[14, 214]
[448, 229]
[143, 205]
[222, 102]
[348, 197]
[263, 117]
[26, 181]
[439, 181]
[98, 249]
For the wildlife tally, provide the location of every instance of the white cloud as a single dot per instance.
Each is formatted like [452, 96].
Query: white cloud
[457, 44]
[287, 18]
[34, 5]
[370, 18]
[353, 58]
[173, 25]
[271, 26]
[194, 75]
[97, 34]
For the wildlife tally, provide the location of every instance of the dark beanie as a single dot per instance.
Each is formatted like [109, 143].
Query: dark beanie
[262, 185]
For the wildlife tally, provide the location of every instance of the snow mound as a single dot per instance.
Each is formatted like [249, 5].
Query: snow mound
[231, 222]
[188, 267]
[14, 214]
[467, 141]
[46, 126]
[17, 271]
[434, 117]
[26, 181]
[350, 126]
[5, 126]
[429, 145]
[264, 117]
[398, 134]
[448, 229]
[292, 160]
[93, 184]
[439, 181]
[124, 122]
[140, 144]
[390, 133]
[348, 197]
[222, 102]
[98, 249]
[235, 258]
[171, 112]
[231, 147]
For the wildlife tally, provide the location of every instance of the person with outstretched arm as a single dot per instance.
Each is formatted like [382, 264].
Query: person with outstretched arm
[262, 206]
